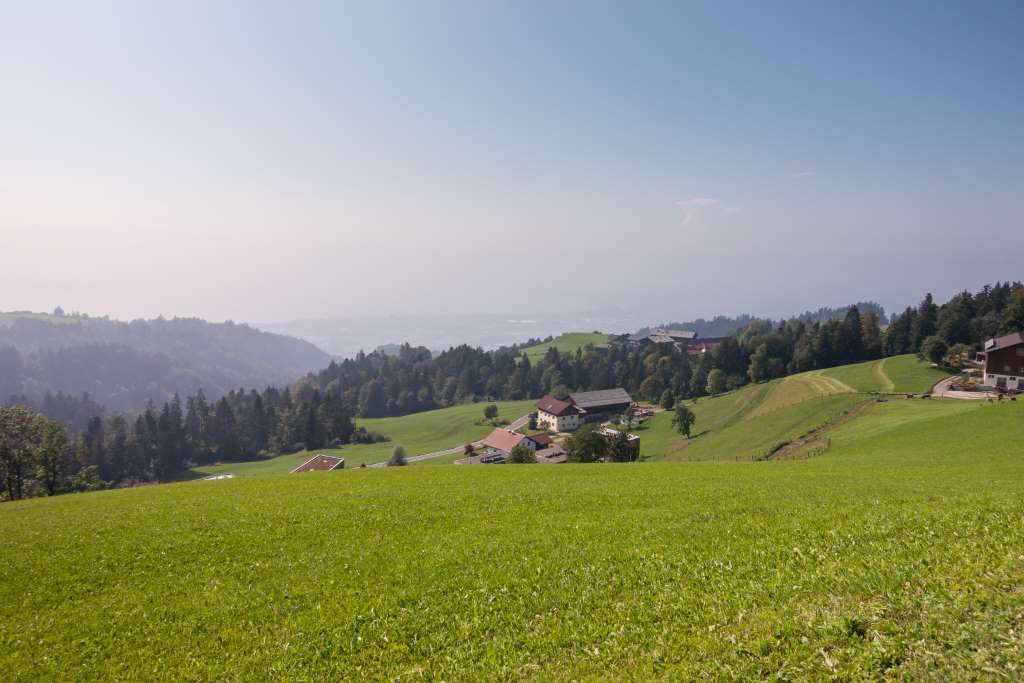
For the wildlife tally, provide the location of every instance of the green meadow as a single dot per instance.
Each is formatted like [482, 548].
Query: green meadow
[566, 343]
[426, 432]
[752, 421]
[897, 374]
[895, 555]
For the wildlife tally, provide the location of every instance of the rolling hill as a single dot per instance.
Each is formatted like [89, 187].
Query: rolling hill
[753, 421]
[565, 343]
[122, 365]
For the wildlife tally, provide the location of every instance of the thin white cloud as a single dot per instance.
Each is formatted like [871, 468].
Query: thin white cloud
[802, 174]
[694, 207]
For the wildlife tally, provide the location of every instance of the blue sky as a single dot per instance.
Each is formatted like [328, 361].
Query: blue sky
[267, 161]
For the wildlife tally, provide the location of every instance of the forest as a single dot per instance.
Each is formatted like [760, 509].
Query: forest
[124, 364]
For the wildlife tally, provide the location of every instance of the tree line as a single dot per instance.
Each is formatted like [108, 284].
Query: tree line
[159, 444]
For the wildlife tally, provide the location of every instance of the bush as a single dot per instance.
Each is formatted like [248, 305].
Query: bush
[586, 445]
[397, 458]
[521, 455]
[933, 349]
[667, 399]
[87, 479]
[363, 435]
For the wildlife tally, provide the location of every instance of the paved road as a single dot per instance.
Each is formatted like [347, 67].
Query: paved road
[517, 424]
[942, 389]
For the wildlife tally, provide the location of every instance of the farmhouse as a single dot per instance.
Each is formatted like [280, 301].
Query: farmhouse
[1003, 358]
[581, 407]
[684, 340]
[556, 415]
[501, 442]
[598, 406]
[321, 463]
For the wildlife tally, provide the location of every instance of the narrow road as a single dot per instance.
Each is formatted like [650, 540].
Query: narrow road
[516, 424]
[942, 390]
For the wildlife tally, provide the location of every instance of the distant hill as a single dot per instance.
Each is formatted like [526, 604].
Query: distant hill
[122, 365]
[565, 343]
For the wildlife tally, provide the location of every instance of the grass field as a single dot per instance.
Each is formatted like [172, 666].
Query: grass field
[425, 432]
[896, 555]
[752, 421]
[566, 343]
[744, 437]
[897, 374]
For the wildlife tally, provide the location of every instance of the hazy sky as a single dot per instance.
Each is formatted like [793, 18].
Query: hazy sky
[272, 161]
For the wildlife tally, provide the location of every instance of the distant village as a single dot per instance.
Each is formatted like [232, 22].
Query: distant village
[684, 340]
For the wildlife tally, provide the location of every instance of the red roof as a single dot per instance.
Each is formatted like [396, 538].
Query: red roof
[553, 406]
[503, 440]
[321, 463]
[542, 439]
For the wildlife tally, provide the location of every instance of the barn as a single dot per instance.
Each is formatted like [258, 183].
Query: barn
[602, 405]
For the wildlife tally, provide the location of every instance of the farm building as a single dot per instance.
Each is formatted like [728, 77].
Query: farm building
[699, 346]
[321, 463]
[556, 415]
[684, 340]
[581, 407]
[598, 406]
[1003, 359]
[501, 441]
[542, 440]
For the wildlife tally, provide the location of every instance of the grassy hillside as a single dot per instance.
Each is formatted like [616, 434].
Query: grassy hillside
[897, 374]
[566, 343]
[896, 555]
[420, 433]
[752, 421]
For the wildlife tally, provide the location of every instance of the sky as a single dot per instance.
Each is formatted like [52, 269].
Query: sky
[271, 161]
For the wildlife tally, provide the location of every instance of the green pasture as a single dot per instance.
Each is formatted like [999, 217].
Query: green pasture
[896, 555]
[566, 343]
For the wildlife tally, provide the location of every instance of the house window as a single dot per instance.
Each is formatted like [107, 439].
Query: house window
[1020, 351]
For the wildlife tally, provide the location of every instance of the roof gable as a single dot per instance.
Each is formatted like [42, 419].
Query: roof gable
[1005, 341]
[503, 440]
[555, 407]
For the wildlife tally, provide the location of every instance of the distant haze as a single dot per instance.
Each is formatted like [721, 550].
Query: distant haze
[286, 161]
[347, 336]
